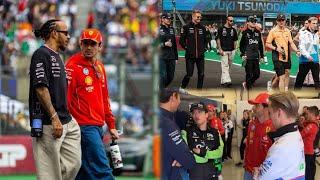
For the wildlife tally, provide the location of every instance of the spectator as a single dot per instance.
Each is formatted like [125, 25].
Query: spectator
[309, 133]
[244, 126]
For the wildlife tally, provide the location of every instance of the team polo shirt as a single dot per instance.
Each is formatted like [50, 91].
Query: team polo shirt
[280, 38]
[47, 70]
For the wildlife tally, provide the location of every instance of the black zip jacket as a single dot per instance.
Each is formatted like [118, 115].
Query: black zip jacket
[166, 33]
[204, 140]
[193, 40]
[251, 44]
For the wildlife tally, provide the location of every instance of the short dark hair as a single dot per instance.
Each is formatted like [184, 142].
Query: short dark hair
[166, 93]
[46, 29]
[196, 11]
[314, 110]
[228, 17]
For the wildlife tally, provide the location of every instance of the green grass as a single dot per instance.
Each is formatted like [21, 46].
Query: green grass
[237, 60]
[33, 177]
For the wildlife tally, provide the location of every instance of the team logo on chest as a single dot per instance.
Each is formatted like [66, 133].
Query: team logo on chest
[88, 80]
[85, 71]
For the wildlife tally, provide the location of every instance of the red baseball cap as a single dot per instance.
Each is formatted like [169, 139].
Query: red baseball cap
[262, 98]
[91, 34]
[211, 107]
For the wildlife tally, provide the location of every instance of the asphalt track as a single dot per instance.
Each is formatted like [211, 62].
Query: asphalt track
[212, 77]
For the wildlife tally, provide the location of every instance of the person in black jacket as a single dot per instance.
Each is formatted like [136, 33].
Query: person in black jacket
[168, 53]
[176, 157]
[251, 48]
[193, 40]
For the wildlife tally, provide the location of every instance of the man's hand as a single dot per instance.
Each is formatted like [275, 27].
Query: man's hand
[57, 127]
[114, 134]
[310, 59]
[244, 58]
[221, 52]
[176, 164]
[280, 50]
[168, 43]
[196, 150]
[262, 60]
[255, 173]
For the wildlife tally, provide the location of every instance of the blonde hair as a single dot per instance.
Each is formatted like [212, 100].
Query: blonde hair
[285, 101]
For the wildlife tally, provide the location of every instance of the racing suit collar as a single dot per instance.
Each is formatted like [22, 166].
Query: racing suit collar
[283, 130]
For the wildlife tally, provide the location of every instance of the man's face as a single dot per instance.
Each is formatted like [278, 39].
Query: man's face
[313, 25]
[63, 36]
[309, 115]
[211, 114]
[166, 21]
[274, 116]
[196, 17]
[258, 110]
[281, 22]
[89, 48]
[199, 116]
[252, 23]
[175, 101]
[230, 21]
[306, 24]
[304, 110]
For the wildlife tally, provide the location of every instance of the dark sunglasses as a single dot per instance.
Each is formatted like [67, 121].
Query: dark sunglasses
[89, 43]
[199, 17]
[281, 20]
[230, 20]
[253, 21]
[97, 71]
[66, 33]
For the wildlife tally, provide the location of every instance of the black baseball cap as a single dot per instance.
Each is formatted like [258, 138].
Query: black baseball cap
[166, 15]
[200, 106]
[252, 18]
[281, 17]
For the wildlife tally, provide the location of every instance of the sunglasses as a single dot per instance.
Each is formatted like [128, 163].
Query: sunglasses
[230, 20]
[281, 20]
[97, 71]
[199, 17]
[253, 21]
[66, 33]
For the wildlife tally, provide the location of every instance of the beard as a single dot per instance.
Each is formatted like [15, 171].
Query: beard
[62, 48]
